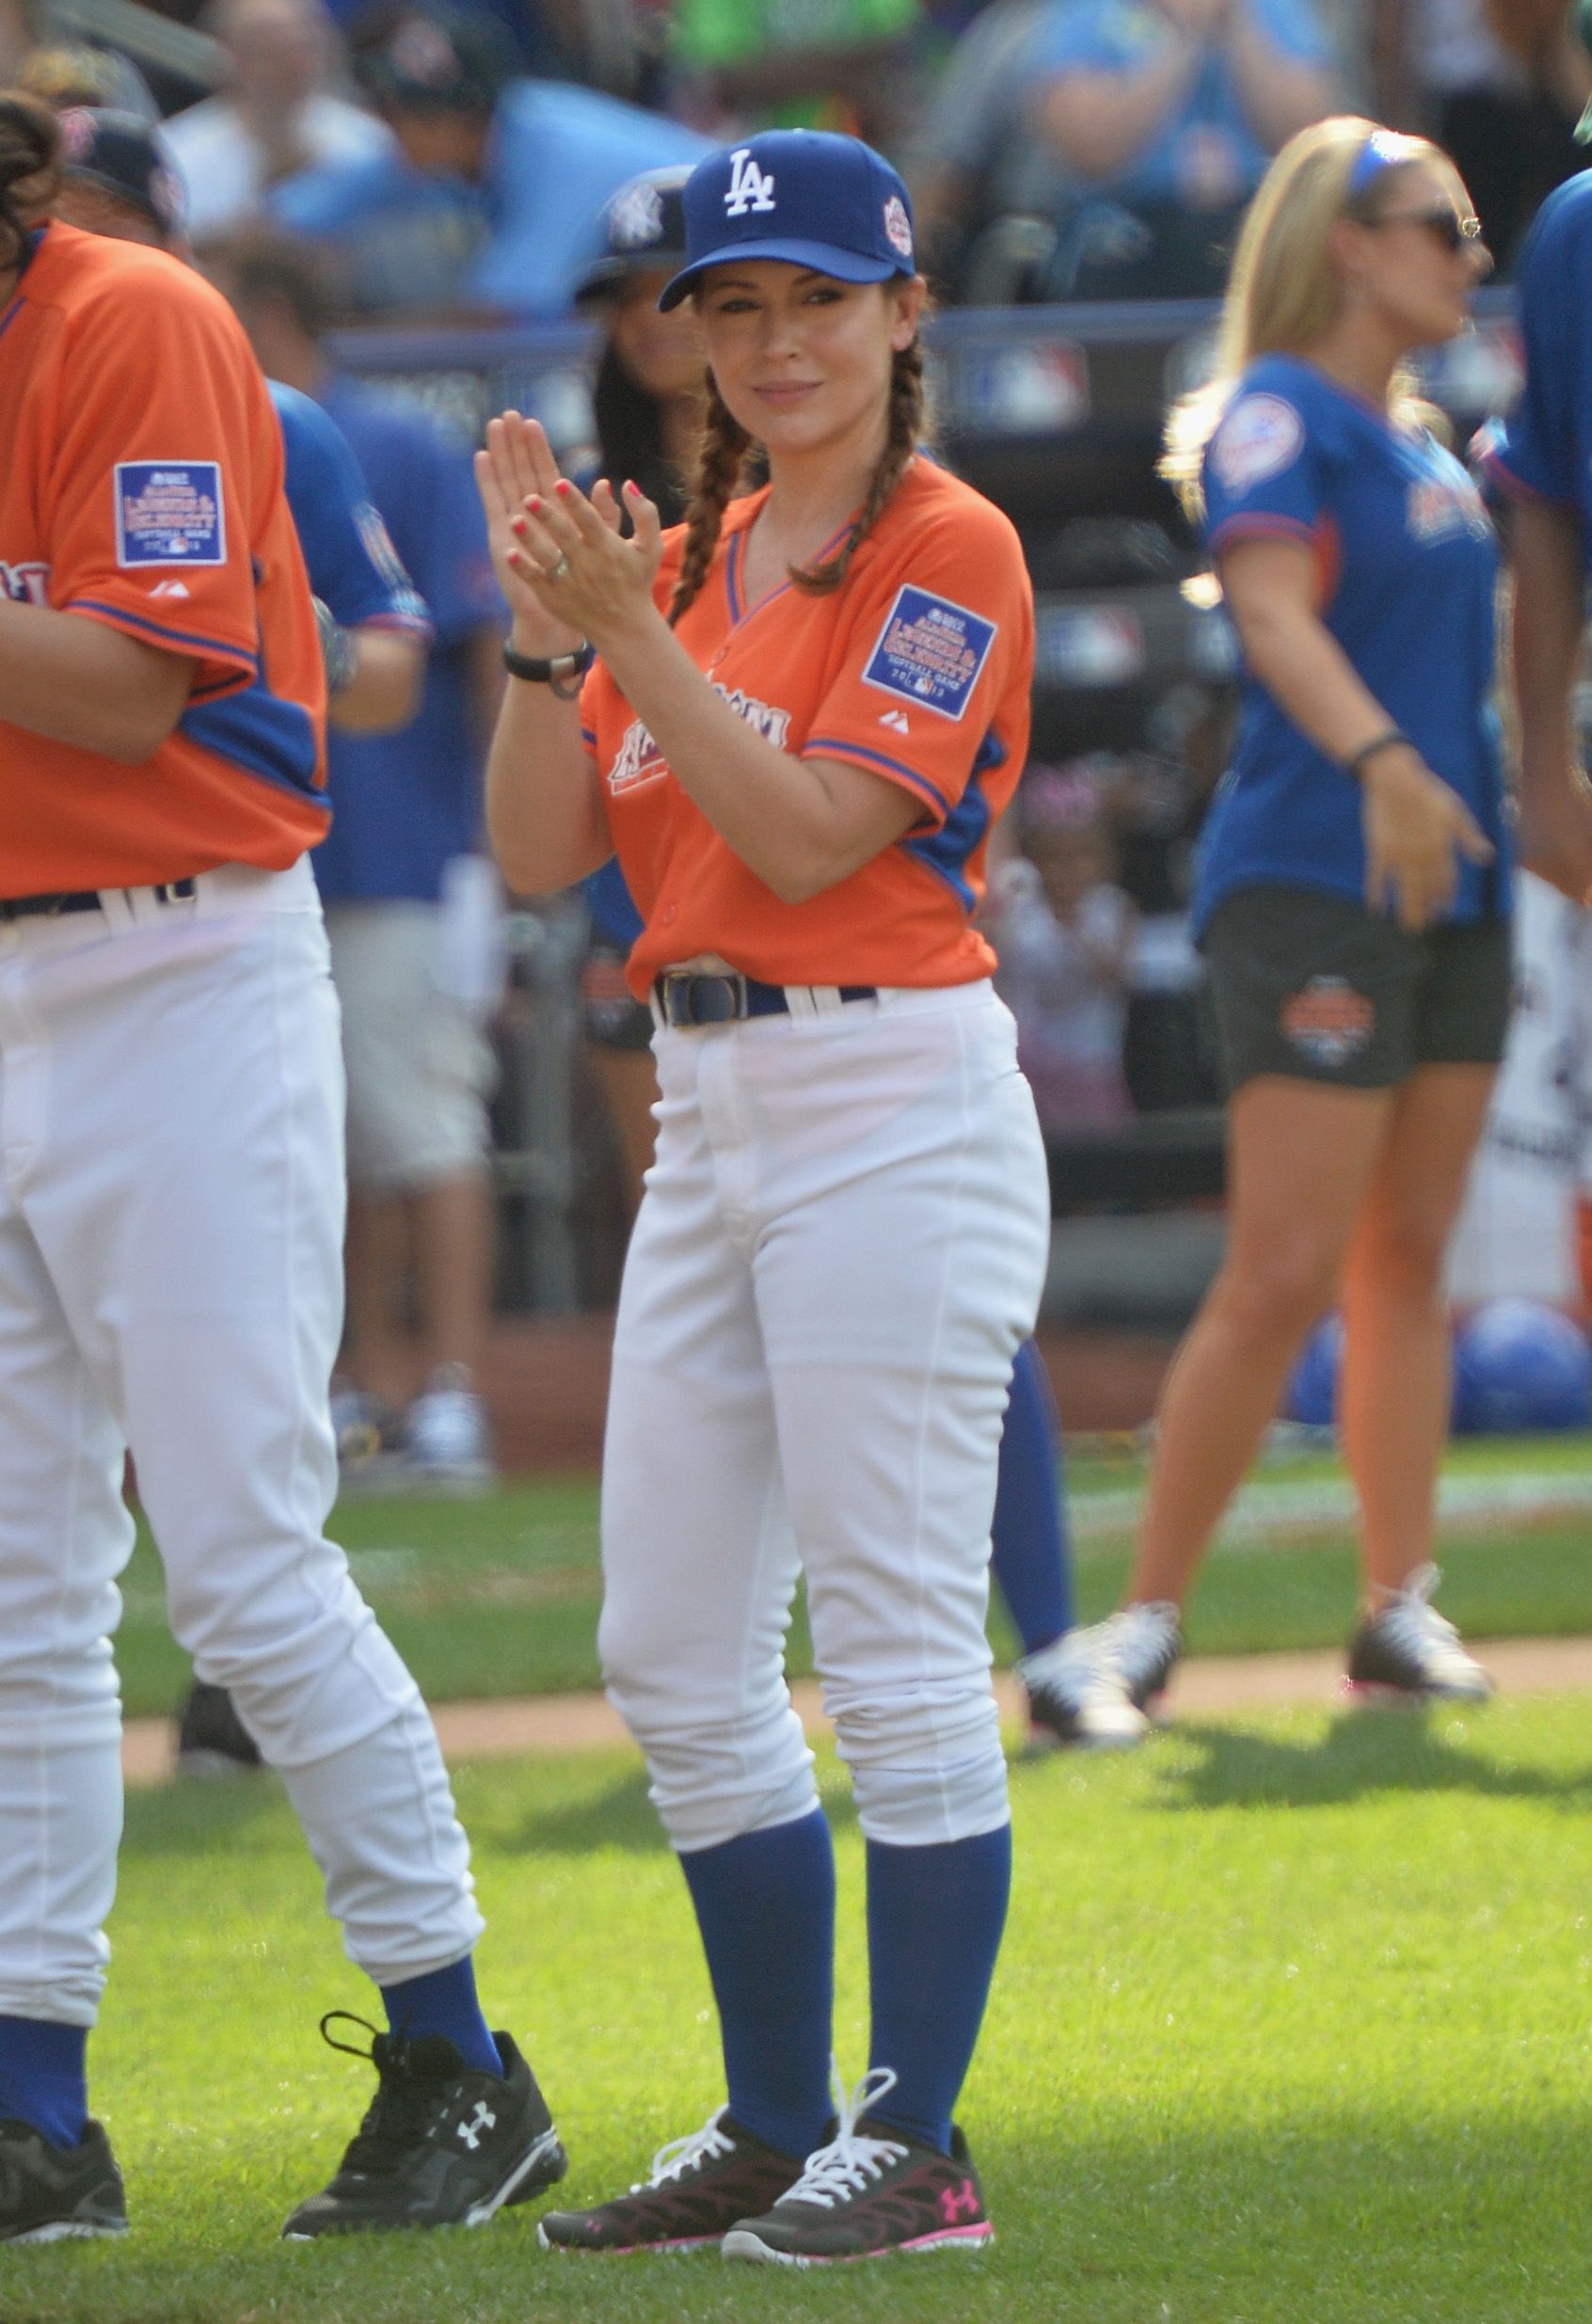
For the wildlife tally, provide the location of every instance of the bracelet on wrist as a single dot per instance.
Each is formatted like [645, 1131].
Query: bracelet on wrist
[1393, 739]
[550, 671]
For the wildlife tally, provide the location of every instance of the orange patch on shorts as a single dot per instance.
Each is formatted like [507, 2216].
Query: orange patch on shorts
[1327, 1020]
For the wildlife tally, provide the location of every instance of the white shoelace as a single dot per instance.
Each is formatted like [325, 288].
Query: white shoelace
[852, 2160]
[705, 2145]
[1414, 1623]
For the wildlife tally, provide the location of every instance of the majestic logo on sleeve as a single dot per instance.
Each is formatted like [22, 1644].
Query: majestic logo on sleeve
[24, 584]
[929, 651]
[1260, 436]
[639, 761]
[169, 512]
[750, 189]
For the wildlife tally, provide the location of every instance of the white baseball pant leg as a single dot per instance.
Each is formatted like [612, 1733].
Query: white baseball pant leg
[171, 1128]
[840, 1249]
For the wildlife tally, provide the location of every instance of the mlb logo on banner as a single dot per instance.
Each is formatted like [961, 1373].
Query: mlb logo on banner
[169, 512]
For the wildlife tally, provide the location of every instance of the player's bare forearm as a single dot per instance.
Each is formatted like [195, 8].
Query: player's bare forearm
[77, 680]
[385, 691]
[1269, 586]
[800, 825]
[544, 810]
[1545, 639]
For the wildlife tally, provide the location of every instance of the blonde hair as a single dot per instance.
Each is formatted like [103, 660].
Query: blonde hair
[728, 460]
[1283, 292]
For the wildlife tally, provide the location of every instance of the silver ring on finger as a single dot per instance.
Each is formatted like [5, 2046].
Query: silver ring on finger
[557, 571]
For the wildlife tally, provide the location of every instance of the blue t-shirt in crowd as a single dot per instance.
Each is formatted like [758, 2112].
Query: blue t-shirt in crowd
[405, 804]
[1409, 564]
[1206, 152]
[612, 905]
[1546, 445]
[521, 238]
[348, 552]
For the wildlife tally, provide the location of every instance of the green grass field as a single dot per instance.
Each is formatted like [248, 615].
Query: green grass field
[500, 1597]
[1292, 2026]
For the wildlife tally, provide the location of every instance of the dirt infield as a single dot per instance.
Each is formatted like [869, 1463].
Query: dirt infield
[1208, 1686]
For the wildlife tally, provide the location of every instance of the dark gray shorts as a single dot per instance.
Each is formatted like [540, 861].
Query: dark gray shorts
[1308, 984]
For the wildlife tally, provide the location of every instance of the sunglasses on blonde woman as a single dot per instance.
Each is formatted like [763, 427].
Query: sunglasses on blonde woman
[1442, 222]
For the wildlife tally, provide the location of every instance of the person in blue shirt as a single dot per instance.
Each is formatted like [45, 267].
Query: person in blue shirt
[411, 925]
[1165, 114]
[495, 196]
[1542, 460]
[1352, 898]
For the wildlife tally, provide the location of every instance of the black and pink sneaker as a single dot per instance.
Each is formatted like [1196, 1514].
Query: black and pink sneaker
[873, 2192]
[698, 2186]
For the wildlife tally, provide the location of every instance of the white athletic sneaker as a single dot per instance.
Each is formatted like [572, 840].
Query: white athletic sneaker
[1091, 1690]
[1410, 1652]
[450, 1445]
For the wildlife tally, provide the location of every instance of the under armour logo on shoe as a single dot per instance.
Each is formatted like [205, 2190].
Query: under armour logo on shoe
[749, 188]
[959, 2203]
[483, 2119]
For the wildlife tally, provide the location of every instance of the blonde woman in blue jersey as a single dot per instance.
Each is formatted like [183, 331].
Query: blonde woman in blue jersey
[1352, 900]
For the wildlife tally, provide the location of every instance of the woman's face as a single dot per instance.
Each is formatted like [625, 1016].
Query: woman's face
[804, 360]
[660, 352]
[1403, 261]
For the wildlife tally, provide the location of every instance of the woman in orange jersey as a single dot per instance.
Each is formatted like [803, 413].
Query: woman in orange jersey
[171, 1216]
[808, 703]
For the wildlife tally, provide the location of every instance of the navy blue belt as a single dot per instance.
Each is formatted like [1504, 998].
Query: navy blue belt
[79, 900]
[687, 996]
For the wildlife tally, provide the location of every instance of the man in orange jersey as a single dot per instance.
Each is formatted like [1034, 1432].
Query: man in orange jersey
[170, 1217]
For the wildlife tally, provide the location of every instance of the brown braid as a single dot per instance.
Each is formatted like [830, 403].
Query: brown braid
[721, 453]
[727, 455]
[908, 423]
[30, 147]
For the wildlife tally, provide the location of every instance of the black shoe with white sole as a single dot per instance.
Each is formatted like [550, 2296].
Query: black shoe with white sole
[872, 2193]
[1409, 1652]
[50, 2194]
[212, 1740]
[442, 2145]
[698, 2186]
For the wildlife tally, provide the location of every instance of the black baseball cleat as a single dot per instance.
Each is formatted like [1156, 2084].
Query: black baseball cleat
[50, 2193]
[442, 2145]
[873, 2193]
[698, 2186]
[212, 1740]
[1409, 1652]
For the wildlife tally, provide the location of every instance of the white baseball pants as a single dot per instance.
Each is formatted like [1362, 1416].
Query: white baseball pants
[171, 1197]
[840, 1249]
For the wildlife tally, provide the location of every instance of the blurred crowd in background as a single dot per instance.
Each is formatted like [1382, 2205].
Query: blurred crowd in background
[451, 156]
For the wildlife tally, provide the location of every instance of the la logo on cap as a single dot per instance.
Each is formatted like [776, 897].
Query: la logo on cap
[749, 189]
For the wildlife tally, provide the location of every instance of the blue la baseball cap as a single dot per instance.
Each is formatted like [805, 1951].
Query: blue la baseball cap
[806, 196]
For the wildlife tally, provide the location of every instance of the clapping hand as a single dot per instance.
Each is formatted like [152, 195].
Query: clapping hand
[562, 560]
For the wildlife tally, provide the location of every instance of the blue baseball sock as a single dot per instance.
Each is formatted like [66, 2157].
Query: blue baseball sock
[765, 1905]
[934, 1922]
[42, 2076]
[444, 2001]
[1032, 1555]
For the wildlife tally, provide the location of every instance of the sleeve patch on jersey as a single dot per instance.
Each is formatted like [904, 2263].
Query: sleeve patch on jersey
[929, 651]
[1260, 436]
[169, 512]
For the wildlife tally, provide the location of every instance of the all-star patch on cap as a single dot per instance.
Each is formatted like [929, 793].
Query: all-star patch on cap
[806, 196]
[123, 155]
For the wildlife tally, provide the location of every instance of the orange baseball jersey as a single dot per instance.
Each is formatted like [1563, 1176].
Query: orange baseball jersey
[142, 487]
[919, 668]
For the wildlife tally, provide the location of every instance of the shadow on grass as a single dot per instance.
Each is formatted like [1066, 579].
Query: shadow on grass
[1364, 1753]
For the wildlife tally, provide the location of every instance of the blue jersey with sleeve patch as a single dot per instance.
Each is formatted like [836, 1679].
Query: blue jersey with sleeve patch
[352, 564]
[1409, 566]
[405, 804]
[1545, 447]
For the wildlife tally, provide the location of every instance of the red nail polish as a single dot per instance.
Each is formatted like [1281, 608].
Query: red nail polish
[562, 489]
[516, 524]
[534, 501]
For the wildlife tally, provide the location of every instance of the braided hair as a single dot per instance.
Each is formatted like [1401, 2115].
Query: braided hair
[30, 153]
[727, 453]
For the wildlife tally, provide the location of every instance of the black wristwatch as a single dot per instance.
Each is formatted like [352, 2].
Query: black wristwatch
[555, 672]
